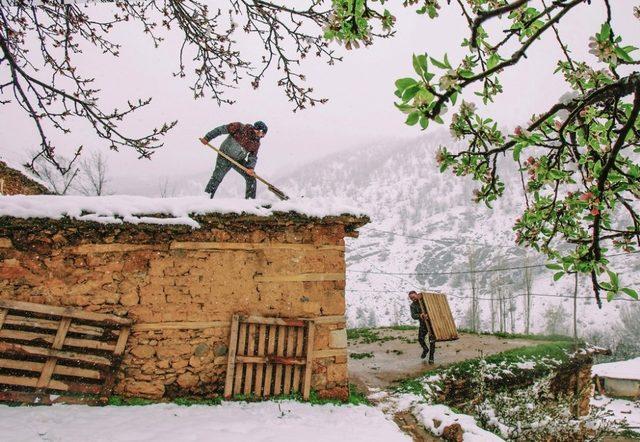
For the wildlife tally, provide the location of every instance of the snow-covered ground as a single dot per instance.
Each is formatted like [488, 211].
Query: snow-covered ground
[625, 411]
[232, 421]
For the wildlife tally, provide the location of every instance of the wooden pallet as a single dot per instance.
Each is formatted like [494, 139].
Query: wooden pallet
[269, 357]
[57, 354]
[440, 320]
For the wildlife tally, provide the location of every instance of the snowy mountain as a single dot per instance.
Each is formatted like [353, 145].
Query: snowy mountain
[426, 233]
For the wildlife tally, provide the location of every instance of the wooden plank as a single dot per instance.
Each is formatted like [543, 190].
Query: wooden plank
[284, 360]
[441, 321]
[59, 369]
[297, 370]
[177, 245]
[271, 348]
[241, 350]
[259, 369]
[20, 349]
[301, 277]
[329, 319]
[231, 357]
[3, 316]
[330, 353]
[251, 348]
[53, 325]
[277, 383]
[71, 342]
[186, 325]
[274, 321]
[66, 312]
[118, 351]
[50, 365]
[89, 249]
[289, 351]
[308, 369]
[22, 381]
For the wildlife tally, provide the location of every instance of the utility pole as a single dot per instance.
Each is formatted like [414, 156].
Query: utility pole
[575, 310]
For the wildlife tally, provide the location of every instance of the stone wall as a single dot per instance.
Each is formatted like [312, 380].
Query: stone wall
[181, 287]
[13, 182]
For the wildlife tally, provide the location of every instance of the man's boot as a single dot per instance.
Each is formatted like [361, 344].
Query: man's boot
[425, 352]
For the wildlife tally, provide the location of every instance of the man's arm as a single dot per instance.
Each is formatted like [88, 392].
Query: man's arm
[252, 160]
[220, 130]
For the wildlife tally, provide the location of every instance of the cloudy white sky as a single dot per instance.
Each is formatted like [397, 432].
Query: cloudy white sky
[360, 91]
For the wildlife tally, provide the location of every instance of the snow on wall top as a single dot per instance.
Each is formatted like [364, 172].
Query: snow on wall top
[135, 209]
[619, 370]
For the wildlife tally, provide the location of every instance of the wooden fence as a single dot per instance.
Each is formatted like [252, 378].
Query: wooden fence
[269, 357]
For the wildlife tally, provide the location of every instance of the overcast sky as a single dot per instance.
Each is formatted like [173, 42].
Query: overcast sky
[360, 91]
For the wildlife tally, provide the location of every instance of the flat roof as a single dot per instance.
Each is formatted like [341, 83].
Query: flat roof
[118, 209]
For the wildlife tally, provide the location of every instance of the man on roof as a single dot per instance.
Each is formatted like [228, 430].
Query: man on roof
[241, 144]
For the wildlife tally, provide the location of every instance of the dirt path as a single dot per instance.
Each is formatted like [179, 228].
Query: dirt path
[396, 355]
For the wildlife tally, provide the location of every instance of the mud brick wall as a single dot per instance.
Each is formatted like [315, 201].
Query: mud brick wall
[182, 285]
[13, 182]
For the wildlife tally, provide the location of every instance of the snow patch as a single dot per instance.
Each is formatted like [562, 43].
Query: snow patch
[619, 370]
[429, 415]
[267, 421]
[175, 211]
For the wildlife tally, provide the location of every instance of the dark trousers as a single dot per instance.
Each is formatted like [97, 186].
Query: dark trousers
[423, 331]
[222, 167]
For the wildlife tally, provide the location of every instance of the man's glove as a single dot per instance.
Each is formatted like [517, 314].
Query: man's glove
[204, 141]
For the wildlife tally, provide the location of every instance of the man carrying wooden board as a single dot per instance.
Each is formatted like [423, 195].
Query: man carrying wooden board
[423, 331]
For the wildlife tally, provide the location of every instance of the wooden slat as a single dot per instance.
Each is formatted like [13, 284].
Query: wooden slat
[298, 369]
[21, 349]
[22, 381]
[289, 351]
[284, 360]
[177, 245]
[59, 368]
[330, 353]
[50, 365]
[71, 342]
[53, 325]
[259, 369]
[242, 339]
[277, 385]
[308, 369]
[186, 325]
[273, 321]
[66, 312]
[231, 357]
[271, 348]
[251, 348]
[3, 316]
[118, 351]
[301, 277]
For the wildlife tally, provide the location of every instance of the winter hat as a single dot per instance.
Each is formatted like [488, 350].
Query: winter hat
[259, 125]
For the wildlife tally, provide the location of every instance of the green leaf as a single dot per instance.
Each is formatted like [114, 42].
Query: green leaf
[558, 276]
[615, 283]
[453, 98]
[630, 292]
[404, 83]
[438, 63]
[493, 61]
[605, 31]
[413, 118]
[621, 53]
[410, 92]
[516, 151]
[554, 266]
[424, 122]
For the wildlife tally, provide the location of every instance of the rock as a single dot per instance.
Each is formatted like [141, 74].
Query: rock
[179, 364]
[154, 389]
[143, 351]
[203, 349]
[453, 433]
[187, 380]
[130, 298]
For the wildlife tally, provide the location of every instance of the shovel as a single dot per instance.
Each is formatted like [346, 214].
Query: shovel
[277, 192]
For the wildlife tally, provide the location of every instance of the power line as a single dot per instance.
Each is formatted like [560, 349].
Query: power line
[506, 298]
[463, 272]
[437, 240]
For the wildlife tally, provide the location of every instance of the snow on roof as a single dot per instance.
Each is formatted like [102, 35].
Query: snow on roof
[619, 370]
[136, 209]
